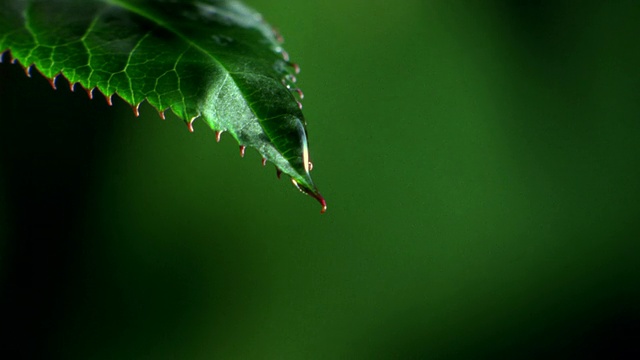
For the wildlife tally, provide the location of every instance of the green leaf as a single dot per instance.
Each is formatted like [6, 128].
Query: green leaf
[211, 60]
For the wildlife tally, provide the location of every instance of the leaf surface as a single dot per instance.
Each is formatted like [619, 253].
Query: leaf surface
[216, 61]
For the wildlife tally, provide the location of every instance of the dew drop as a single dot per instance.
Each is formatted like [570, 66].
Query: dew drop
[222, 40]
[291, 78]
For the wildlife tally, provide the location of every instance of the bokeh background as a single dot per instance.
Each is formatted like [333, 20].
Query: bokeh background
[480, 159]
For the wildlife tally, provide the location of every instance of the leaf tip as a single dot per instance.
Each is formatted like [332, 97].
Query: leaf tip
[313, 193]
[242, 150]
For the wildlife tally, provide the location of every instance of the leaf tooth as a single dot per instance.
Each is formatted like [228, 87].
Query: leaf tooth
[52, 81]
[136, 109]
[285, 55]
[161, 114]
[296, 67]
[242, 149]
[27, 70]
[300, 93]
[264, 161]
[72, 86]
[218, 135]
[277, 34]
[278, 173]
[90, 93]
[190, 123]
[299, 104]
[291, 77]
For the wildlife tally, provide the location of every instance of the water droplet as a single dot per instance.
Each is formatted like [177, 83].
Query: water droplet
[291, 78]
[222, 40]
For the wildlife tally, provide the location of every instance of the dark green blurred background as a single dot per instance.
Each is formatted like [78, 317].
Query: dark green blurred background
[481, 164]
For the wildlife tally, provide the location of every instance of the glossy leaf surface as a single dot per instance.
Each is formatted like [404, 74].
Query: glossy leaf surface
[216, 61]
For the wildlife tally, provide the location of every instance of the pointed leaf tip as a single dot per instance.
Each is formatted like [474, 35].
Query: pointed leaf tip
[242, 81]
[313, 193]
